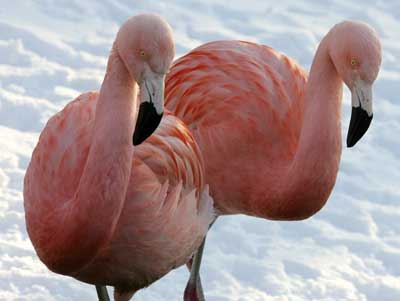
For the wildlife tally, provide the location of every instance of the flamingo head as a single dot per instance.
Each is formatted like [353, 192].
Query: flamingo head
[356, 53]
[146, 46]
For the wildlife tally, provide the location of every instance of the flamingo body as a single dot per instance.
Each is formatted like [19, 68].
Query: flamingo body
[270, 134]
[165, 192]
[247, 122]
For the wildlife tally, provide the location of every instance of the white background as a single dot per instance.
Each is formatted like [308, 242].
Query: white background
[51, 51]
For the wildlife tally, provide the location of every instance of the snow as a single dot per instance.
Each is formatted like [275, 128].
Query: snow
[50, 51]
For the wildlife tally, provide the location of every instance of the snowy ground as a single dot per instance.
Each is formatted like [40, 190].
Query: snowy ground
[50, 51]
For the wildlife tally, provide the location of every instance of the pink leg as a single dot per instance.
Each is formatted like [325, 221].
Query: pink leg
[102, 293]
[194, 289]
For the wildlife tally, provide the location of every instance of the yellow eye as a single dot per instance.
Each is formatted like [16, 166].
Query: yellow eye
[142, 54]
[353, 62]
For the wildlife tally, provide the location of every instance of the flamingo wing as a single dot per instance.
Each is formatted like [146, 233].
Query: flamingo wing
[167, 209]
[243, 102]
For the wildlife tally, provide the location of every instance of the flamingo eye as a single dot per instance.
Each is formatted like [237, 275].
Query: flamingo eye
[354, 63]
[142, 54]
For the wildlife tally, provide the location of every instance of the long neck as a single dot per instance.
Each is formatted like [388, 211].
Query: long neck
[91, 217]
[312, 175]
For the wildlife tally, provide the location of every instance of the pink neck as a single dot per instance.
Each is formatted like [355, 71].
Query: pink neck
[95, 210]
[312, 174]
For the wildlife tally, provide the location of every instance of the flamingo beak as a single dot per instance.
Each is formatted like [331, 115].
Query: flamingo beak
[361, 115]
[151, 107]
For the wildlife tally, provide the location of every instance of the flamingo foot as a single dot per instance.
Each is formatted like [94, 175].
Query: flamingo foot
[102, 293]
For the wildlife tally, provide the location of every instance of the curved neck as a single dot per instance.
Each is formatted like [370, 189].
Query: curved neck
[93, 213]
[313, 171]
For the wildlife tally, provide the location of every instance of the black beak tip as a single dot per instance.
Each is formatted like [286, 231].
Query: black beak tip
[359, 124]
[351, 143]
[147, 122]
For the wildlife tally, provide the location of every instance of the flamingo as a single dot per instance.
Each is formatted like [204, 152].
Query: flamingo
[102, 210]
[270, 133]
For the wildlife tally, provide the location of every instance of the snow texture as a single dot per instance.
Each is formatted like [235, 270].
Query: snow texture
[50, 51]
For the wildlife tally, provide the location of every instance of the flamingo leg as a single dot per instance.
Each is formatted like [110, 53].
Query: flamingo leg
[194, 289]
[102, 293]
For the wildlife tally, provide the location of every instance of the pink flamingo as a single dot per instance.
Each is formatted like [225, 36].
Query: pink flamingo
[270, 136]
[103, 211]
